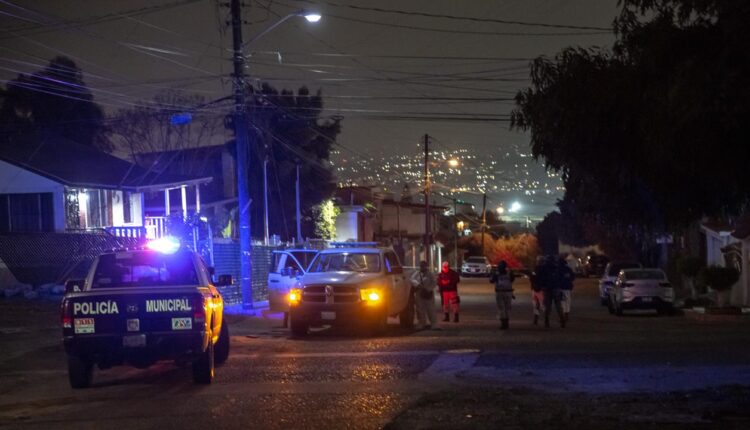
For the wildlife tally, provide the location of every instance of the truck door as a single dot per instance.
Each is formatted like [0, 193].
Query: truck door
[281, 279]
[400, 289]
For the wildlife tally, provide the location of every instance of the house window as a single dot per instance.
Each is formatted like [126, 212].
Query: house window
[29, 212]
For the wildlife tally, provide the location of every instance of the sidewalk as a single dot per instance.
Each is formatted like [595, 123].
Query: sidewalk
[256, 322]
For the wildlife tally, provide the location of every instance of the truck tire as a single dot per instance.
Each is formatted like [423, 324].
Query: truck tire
[80, 371]
[298, 327]
[406, 317]
[221, 353]
[379, 325]
[204, 366]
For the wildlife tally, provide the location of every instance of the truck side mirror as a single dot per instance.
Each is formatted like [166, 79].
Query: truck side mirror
[73, 285]
[224, 281]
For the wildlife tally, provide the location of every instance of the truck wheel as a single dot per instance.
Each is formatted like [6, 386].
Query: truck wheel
[406, 317]
[298, 327]
[203, 366]
[80, 371]
[222, 346]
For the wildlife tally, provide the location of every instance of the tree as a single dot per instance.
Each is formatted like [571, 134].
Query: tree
[148, 127]
[286, 129]
[650, 136]
[53, 103]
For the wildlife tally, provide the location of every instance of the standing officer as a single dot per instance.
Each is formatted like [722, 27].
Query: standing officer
[503, 280]
[423, 282]
[448, 281]
[537, 290]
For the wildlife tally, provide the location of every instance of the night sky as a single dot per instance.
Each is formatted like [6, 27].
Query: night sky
[391, 83]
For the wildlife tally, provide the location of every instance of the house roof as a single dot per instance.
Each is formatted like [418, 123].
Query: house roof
[77, 165]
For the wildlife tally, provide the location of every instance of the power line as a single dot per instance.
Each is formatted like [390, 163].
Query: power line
[457, 17]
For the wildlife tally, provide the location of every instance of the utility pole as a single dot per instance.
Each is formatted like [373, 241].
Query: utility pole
[298, 212]
[265, 202]
[242, 142]
[427, 230]
[484, 217]
[455, 238]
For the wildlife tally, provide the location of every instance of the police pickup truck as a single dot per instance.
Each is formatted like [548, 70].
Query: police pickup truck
[139, 306]
[355, 286]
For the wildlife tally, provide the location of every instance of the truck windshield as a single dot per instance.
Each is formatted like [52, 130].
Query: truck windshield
[144, 269]
[346, 262]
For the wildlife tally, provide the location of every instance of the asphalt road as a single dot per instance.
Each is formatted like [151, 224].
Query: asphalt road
[602, 371]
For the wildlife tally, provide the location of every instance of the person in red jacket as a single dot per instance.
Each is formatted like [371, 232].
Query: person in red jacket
[448, 281]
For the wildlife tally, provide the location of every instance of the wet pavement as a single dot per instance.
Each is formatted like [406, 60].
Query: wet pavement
[601, 371]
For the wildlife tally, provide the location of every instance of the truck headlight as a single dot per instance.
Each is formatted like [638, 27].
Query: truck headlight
[295, 295]
[370, 295]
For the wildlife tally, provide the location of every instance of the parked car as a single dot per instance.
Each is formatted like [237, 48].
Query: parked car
[641, 289]
[287, 268]
[594, 265]
[610, 276]
[476, 266]
[357, 286]
[139, 306]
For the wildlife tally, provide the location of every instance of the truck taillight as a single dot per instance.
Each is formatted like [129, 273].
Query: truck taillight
[65, 314]
[199, 310]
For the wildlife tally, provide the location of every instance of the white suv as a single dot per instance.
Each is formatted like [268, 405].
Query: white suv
[351, 286]
[476, 266]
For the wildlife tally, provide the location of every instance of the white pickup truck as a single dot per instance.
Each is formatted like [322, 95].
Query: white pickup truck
[359, 286]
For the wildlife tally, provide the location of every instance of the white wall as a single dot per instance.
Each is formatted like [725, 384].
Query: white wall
[347, 227]
[15, 180]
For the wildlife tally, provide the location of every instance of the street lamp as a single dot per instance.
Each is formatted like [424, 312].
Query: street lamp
[500, 210]
[515, 207]
[311, 17]
[242, 140]
[453, 162]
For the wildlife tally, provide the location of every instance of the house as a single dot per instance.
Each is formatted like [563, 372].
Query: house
[60, 186]
[366, 214]
[62, 203]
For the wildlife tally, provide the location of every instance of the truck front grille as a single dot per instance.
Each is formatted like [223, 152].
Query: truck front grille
[330, 294]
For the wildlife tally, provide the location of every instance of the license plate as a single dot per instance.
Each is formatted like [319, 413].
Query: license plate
[134, 341]
[182, 323]
[328, 315]
[646, 299]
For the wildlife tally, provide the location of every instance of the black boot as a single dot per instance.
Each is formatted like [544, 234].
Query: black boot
[562, 322]
[536, 319]
[455, 318]
[546, 322]
[504, 324]
[447, 317]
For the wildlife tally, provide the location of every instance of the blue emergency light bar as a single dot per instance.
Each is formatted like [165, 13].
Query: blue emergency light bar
[353, 244]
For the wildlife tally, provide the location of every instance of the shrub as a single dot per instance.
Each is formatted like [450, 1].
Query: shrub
[719, 278]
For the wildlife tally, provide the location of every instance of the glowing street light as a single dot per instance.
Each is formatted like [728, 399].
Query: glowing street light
[453, 162]
[500, 210]
[515, 207]
[312, 17]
